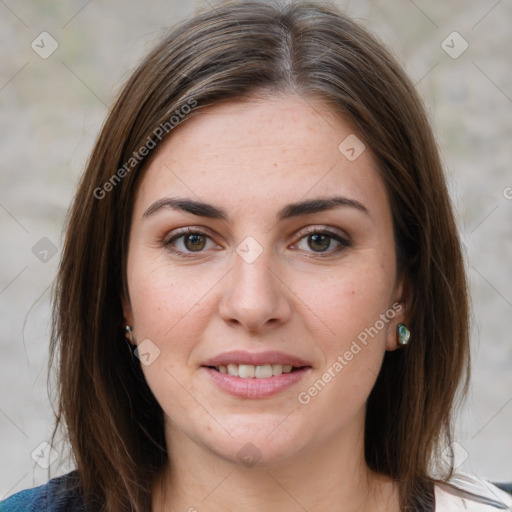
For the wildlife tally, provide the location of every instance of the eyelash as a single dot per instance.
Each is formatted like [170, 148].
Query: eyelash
[344, 243]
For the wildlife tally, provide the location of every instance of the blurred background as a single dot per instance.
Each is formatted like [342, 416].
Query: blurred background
[61, 64]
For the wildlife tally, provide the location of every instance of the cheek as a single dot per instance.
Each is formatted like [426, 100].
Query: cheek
[168, 311]
[346, 303]
[351, 334]
[165, 299]
[353, 350]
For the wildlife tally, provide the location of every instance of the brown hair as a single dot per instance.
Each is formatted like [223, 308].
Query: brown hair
[232, 51]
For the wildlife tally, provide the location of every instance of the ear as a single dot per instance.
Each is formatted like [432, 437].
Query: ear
[127, 310]
[401, 306]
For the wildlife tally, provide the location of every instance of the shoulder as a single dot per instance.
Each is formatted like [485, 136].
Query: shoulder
[471, 494]
[58, 495]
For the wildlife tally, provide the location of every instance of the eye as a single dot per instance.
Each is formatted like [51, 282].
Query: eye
[322, 241]
[188, 241]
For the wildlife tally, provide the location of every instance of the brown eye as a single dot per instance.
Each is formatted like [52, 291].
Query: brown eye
[322, 242]
[195, 242]
[319, 242]
[189, 241]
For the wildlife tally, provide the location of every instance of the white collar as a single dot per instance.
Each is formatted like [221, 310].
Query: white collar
[472, 494]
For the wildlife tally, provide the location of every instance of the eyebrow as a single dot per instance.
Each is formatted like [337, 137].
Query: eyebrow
[297, 209]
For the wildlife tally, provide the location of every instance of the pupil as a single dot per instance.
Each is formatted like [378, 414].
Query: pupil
[195, 242]
[322, 242]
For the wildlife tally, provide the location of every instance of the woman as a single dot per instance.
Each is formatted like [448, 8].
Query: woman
[264, 219]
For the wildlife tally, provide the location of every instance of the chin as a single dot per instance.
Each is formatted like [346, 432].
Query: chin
[256, 453]
[257, 444]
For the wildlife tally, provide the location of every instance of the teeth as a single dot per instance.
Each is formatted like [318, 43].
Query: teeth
[245, 371]
[233, 369]
[277, 369]
[263, 371]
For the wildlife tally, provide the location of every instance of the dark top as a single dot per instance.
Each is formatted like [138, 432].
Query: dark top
[58, 495]
[61, 495]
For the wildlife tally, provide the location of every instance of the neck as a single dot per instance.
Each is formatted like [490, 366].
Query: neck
[331, 476]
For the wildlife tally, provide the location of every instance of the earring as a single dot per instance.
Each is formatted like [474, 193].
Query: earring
[129, 337]
[403, 334]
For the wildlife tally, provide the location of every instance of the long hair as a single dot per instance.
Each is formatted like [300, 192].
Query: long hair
[234, 51]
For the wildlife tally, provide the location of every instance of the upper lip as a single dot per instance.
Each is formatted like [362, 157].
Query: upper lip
[255, 358]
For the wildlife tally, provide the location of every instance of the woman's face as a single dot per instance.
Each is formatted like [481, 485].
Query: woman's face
[262, 238]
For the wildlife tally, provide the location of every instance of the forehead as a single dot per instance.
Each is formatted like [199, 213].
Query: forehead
[261, 153]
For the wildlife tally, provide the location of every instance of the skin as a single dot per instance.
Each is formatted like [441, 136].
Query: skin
[252, 158]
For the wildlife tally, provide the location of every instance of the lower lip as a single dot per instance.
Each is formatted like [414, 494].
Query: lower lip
[254, 387]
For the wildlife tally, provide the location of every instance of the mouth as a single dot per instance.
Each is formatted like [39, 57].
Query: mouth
[262, 384]
[261, 371]
[255, 375]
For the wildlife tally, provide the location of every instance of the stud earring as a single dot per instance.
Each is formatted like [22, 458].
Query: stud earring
[129, 337]
[403, 334]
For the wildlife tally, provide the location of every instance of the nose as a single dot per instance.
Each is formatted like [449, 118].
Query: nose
[254, 296]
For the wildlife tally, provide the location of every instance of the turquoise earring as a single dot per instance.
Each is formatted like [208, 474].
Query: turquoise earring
[403, 334]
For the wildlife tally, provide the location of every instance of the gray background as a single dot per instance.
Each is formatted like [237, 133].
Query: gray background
[52, 109]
